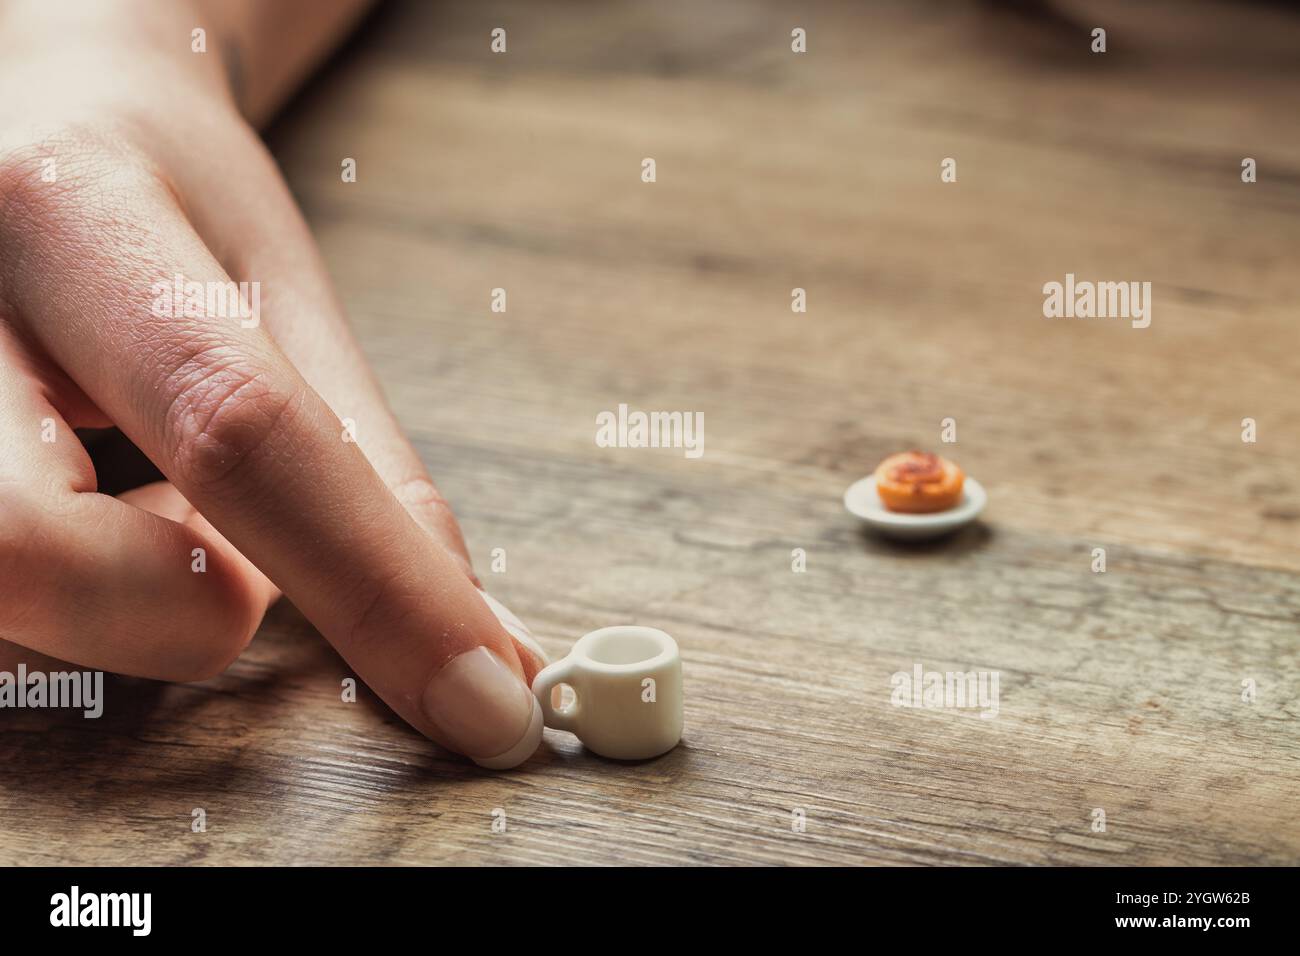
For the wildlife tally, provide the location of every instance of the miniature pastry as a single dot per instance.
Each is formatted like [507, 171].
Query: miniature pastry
[918, 482]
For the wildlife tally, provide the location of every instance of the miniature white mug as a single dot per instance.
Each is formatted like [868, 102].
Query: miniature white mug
[627, 690]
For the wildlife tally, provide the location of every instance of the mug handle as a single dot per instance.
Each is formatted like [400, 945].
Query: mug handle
[561, 672]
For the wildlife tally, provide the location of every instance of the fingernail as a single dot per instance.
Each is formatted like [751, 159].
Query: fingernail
[484, 710]
[515, 627]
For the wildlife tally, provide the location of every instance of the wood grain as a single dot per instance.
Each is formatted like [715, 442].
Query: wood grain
[1120, 691]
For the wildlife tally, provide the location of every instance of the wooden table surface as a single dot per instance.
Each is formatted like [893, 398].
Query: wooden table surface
[1120, 691]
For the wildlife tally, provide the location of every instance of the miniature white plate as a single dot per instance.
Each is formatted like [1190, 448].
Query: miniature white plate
[863, 500]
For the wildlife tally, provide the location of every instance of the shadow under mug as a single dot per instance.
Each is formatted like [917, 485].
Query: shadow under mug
[627, 692]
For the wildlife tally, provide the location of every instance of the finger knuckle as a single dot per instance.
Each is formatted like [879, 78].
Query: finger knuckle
[222, 415]
[421, 493]
[422, 500]
[65, 196]
[46, 175]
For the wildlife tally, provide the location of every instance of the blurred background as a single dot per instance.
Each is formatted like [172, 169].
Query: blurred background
[822, 171]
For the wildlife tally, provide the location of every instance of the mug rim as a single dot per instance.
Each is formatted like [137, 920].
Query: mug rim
[668, 651]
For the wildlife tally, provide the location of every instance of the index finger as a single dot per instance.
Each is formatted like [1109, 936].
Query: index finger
[208, 396]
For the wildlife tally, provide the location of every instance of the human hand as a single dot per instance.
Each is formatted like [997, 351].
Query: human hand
[126, 164]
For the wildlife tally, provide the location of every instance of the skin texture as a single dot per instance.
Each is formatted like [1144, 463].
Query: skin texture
[159, 172]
